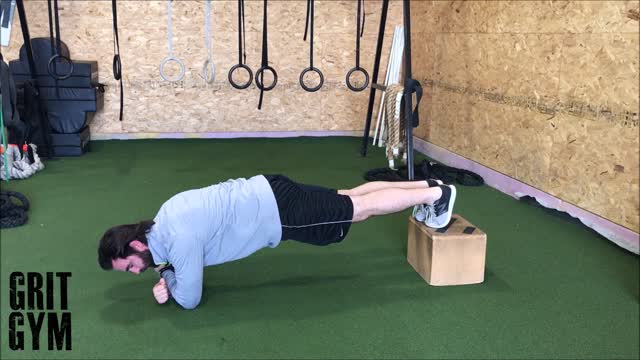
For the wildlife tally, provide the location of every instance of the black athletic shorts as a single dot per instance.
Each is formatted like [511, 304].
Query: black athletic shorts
[311, 214]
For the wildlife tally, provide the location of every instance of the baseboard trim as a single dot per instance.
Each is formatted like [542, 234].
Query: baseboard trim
[220, 135]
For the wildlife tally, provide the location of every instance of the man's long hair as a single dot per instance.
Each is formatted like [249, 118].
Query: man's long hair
[115, 242]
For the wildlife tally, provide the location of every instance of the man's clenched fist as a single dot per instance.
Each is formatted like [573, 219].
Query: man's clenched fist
[161, 292]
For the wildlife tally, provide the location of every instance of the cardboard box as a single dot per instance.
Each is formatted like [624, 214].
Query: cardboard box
[454, 255]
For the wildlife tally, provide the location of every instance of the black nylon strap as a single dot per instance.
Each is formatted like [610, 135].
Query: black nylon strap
[54, 50]
[311, 68]
[117, 65]
[306, 21]
[27, 37]
[415, 87]
[357, 68]
[265, 54]
[359, 32]
[309, 20]
[57, 19]
[244, 34]
[51, 37]
[265, 61]
[364, 17]
[265, 48]
[241, 51]
[36, 109]
[51, 66]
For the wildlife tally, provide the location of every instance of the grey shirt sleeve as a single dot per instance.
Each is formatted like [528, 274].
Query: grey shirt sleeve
[185, 282]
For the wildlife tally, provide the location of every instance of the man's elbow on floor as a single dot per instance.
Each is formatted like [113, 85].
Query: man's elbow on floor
[189, 304]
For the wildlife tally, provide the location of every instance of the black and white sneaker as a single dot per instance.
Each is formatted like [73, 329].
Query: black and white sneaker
[439, 213]
[420, 211]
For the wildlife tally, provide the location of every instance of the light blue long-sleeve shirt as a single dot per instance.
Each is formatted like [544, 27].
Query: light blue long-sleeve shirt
[210, 226]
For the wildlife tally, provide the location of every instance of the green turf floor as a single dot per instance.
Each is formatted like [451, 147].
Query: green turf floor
[553, 288]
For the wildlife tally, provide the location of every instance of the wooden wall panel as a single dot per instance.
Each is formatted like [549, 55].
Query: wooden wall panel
[601, 70]
[544, 91]
[595, 166]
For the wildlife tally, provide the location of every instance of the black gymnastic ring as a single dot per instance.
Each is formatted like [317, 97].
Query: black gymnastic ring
[259, 83]
[53, 73]
[236, 85]
[311, 69]
[366, 79]
[117, 67]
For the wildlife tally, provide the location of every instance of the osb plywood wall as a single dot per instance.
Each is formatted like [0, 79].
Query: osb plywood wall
[153, 105]
[543, 91]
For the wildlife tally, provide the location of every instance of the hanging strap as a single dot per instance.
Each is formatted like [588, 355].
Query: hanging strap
[265, 61]
[241, 52]
[364, 17]
[357, 68]
[414, 87]
[209, 69]
[37, 107]
[117, 65]
[311, 68]
[306, 20]
[54, 49]
[171, 58]
[51, 66]
[244, 34]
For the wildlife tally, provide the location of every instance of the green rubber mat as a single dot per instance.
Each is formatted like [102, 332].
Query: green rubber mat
[553, 288]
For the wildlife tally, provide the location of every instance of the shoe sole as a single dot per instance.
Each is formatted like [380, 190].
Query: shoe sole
[452, 201]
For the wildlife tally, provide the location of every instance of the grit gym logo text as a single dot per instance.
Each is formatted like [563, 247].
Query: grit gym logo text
[39, 305]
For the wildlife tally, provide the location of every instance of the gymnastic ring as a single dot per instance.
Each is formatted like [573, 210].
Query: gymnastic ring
[366, 79]
[164, 62]
[311, 69]
[259, 83]
[55, 74]
[236, 85]
[208, 65]
[117, 67]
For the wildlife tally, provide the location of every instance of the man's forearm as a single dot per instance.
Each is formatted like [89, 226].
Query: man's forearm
[169, 276]
[186, 296]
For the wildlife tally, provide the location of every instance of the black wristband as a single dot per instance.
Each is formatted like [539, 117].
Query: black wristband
[166, 268]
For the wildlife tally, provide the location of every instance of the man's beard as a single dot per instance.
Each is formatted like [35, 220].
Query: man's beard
[147, 259]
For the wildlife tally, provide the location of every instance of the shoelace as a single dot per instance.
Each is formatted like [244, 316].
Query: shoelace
[419, 212]
[431, 213]
[424, 213]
